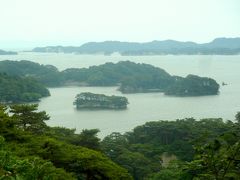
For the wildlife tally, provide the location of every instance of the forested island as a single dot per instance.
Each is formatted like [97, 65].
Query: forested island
[2, 52]
[15, 89]
[89, 100]
[219, 46]
[129, 76]
[184, 149]
[46, 74]
[193, 86]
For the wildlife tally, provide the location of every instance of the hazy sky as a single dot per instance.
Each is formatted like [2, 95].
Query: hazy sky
[26, 23]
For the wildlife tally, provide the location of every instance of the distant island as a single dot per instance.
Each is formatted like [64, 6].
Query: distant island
[89, 100]
[2, 52]
[219, 46]
[130, 77]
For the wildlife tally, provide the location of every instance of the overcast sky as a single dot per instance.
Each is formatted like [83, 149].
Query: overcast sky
[26, 23]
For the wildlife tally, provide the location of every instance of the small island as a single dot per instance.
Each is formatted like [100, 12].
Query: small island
[193, 85]
[89, 100]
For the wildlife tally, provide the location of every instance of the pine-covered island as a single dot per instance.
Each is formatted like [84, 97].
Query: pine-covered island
[130, 77]
[87, 100]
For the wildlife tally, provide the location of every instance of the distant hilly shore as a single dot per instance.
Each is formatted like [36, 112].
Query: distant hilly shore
[219, 46]
[2, 52]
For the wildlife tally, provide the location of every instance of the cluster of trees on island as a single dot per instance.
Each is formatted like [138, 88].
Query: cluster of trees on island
[15, 89]
[100, 101]
[204, 149]
[129, 76]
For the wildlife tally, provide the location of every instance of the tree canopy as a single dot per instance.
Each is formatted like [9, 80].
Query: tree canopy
[100, 101]
[199, 147]
[16, 89]
[129, 76]
[202, 149]
[29, 149]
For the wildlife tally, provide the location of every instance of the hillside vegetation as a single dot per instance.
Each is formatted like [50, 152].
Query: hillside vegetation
[29, 149]
[15, 89]
[204, 149]
[129, 76]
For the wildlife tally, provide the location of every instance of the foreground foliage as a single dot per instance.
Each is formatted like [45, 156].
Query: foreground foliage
[32, 150]
[184, 149]
[208, 149]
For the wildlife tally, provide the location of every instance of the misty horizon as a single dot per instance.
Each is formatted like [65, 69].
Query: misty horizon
[25, 46]
[26, 24]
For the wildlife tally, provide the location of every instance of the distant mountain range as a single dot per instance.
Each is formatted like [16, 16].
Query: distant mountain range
[221, 46]
[2, 52]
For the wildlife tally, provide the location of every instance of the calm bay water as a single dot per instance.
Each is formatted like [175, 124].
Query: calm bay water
[142, 107]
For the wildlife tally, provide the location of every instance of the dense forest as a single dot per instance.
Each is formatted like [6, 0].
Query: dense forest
[46, 74]
[184, 149]
[15, 89]
[205, 149]
[129, 76]
[29, 149]
[193, 86]
[220, 46]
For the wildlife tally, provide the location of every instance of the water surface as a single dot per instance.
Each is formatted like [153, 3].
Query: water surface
[142, 107]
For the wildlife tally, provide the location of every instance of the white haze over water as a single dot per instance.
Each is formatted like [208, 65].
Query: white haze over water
[29, 23]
